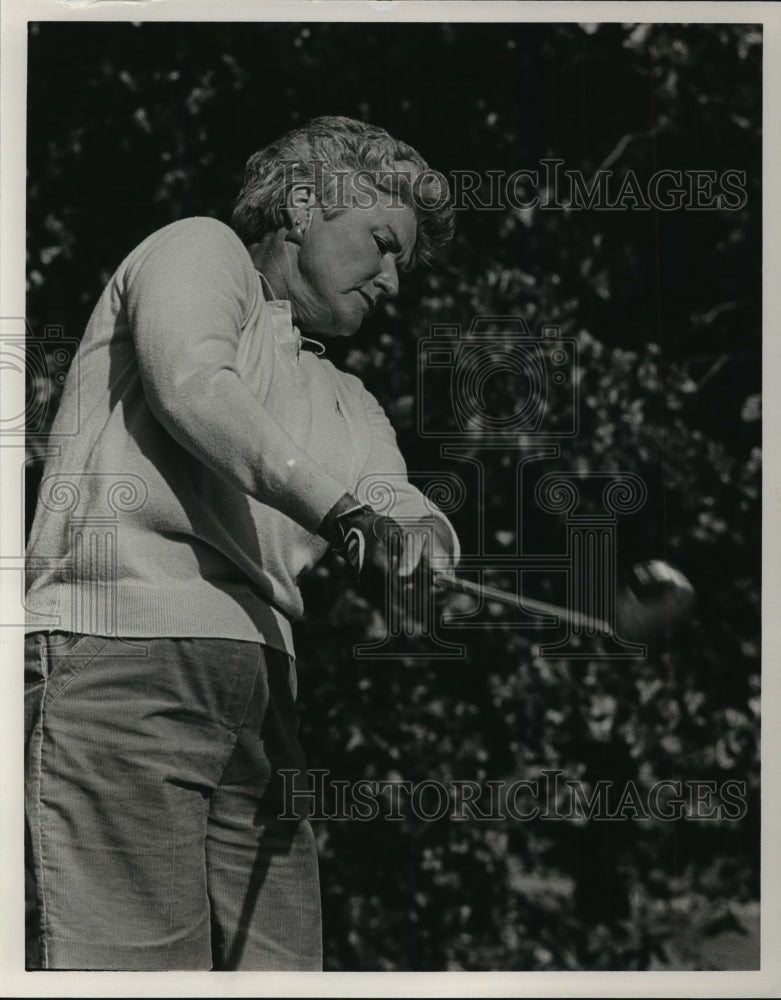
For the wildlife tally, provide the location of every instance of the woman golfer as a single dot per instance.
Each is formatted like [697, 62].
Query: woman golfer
[218, 457]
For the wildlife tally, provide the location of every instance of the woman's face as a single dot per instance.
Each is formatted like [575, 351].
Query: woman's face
[348, 264]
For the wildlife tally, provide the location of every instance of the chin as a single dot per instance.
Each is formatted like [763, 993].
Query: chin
[333, 332]
[344, 323]
[345, 326]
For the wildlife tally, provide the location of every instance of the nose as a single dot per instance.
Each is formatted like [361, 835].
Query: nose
[388, 278]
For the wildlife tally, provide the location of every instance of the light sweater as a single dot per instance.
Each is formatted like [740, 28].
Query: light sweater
[209, 449]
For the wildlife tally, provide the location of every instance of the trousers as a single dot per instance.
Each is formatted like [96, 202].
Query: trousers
[152, 803]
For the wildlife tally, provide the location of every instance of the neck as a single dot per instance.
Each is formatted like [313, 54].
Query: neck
[270, 257]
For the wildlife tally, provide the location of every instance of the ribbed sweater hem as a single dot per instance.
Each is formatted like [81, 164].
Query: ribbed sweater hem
[194, 610]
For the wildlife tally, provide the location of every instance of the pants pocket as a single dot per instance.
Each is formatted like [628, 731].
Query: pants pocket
[65, 656]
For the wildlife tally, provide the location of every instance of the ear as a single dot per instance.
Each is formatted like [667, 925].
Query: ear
[299, 206]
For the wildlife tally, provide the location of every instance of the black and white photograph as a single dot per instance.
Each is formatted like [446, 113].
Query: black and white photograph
[383, 460]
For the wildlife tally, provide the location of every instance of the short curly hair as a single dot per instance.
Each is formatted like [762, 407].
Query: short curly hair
[332, 147]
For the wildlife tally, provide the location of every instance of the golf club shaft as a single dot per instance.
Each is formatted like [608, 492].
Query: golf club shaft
[462, 586]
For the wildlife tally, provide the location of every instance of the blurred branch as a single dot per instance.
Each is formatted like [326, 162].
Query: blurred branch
[714, 369]
[621, 147]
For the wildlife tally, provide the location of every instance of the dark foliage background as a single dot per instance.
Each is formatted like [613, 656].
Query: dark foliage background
[134, 126]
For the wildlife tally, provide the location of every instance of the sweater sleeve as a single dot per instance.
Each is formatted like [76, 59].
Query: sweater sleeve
[187, 292]
[384, 483]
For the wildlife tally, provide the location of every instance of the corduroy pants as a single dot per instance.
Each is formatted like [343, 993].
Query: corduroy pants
[153, 838]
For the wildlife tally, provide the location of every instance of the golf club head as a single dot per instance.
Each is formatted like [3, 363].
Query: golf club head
[653, 600]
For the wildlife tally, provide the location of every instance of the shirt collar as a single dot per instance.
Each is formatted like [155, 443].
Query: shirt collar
[282, 322]
[281, 317]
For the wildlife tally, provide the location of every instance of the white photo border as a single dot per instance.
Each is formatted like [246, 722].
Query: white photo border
[14, 17]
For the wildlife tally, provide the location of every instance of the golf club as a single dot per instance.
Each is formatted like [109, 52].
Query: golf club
[654, 598]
